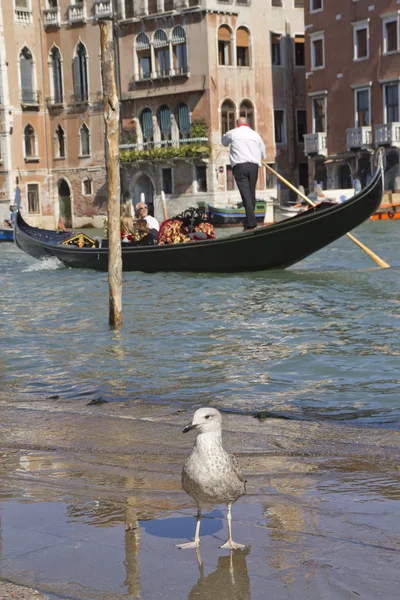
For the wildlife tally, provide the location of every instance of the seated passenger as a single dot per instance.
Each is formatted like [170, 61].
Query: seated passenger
[142, 212]
[142, 234]
[126, 229]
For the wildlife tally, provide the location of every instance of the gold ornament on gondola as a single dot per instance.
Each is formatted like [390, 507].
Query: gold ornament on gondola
[81, 240]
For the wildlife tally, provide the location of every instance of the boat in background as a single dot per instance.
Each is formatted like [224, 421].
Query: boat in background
[387, 211]
[6, 234]
[235, 216]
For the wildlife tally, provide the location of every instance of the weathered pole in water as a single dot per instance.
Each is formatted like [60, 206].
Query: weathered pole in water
[111, 120]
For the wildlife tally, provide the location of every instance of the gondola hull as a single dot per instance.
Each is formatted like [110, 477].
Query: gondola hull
[274, 247]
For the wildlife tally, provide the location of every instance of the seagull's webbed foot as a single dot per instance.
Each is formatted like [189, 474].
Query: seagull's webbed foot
[231, 545]
[194, 544]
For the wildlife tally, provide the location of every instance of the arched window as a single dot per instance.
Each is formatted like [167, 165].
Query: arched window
[85, 140]
[224, 45]
[179, 50]
[60, 136]
[242, 47]
[161, 51]
[29, 141]
[81, 89]
[143, 55]
[27, 80]
[146, 124]
[164, 122]
[182, 117]
[228, 116]
[247, 110]
[56, 76]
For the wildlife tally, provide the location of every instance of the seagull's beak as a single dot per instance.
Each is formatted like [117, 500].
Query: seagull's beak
[188, 427]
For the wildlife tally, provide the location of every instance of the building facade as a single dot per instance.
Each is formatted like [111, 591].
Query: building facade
[185, 70]
[352, 83]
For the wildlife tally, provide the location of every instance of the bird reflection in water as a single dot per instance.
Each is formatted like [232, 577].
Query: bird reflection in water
[229, 581]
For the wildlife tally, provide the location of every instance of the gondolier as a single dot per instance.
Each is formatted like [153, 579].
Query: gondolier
[247, 149]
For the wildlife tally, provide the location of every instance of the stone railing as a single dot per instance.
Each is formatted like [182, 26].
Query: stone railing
[315, 143]
[51, 17]
[77, 13]
[358, 137]
[23, 15]
[164, 143]
[103, 9]
[388, 134]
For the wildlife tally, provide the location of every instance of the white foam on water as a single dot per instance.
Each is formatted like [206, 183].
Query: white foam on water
[45, 264]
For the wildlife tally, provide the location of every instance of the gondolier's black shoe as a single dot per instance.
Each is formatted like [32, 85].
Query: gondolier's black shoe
[249, 228]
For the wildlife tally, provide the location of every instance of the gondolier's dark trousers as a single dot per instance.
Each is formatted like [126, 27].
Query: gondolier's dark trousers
[246, 175]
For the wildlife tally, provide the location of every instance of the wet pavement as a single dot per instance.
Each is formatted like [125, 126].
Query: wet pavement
[91, 508]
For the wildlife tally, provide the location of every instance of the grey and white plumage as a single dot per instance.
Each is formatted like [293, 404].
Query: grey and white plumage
[210, 475]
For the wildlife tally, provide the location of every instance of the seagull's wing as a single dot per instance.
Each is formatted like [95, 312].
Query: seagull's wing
[236, 468]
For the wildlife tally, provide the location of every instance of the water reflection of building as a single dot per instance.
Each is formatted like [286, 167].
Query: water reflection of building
[229, 581]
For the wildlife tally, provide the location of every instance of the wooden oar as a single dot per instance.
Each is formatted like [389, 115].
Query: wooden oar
[375, 257]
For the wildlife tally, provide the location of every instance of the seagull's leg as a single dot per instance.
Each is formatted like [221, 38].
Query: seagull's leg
[230, 543]
[196, 541]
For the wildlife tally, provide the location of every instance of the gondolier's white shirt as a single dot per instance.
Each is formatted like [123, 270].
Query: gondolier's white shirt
[246, 145]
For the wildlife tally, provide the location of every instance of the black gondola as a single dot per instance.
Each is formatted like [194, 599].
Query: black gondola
[274, 247]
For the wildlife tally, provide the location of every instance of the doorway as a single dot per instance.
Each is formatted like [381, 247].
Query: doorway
[143, 185]
[64, 201]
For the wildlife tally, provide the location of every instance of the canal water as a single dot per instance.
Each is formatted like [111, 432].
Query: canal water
[319, 341]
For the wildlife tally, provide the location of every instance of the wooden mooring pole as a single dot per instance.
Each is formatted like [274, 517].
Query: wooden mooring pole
[111, 120]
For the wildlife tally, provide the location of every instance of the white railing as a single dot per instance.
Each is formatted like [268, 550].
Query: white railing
[358, 137]
[315, 143]
[103, 8]
[23, 15]
[162, 144]
[387, 133]
[51, 17]
[76, 13]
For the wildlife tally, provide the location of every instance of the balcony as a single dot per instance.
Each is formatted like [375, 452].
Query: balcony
[388, 134]
[54, 102]
[23, 15]
[30, 100]
[358, 138]
[315, 143]
[51, 17]
[103, 9]
[199, 141]
[77, 13]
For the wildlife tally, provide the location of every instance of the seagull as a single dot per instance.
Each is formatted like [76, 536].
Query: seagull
[210, 475]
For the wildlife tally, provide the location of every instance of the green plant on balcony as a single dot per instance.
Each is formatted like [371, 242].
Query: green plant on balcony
[187, 151]
[199, 129]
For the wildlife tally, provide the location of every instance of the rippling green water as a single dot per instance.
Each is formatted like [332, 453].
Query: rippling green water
[319, 340]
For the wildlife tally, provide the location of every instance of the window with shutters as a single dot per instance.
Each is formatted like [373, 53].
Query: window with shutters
[360, 40]
[152, 7]
[56, 83]
[224, 46]
[143, 53]
[301, 125]
[316, 5]
[319, 114]
[362, 103]
[87, 187]
[276, 59]
[247, 110]
[33, 198]
[161, 52]
[164, 124]
[317, 51]
[26, 65]
[29, 141]
[146, 125]
[182, 117]
[201, 177]
[391, 96]
[167, 181]
[390, 34]
[277, 3]
[80, 65]
[270, 180]
[228, 116]
[60, 142]
[299, 3]
[299, 54]
[84, 135]
[130, 11]
[179, 47]
[279, 125]
[242, 47]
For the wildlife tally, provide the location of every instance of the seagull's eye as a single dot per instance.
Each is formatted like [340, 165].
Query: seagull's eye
[207, 416]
